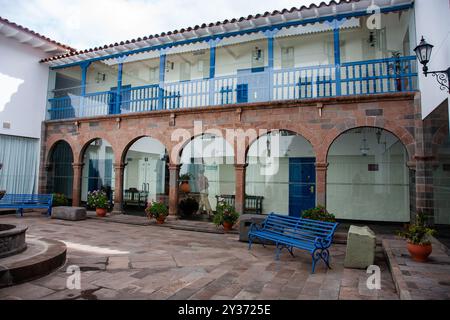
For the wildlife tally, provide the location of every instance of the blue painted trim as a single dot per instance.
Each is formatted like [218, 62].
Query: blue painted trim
[119, 88]
[242, 32]
[212, 61]
[270, 46]
[162, 74]
[337, 60]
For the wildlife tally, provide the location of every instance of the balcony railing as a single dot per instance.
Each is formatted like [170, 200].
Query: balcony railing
[250, 85]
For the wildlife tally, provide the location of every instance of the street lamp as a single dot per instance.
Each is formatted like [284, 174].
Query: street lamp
[423, 53]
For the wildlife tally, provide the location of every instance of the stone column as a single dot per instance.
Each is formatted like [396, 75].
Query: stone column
[174, 171]
[46, 179]
[118, 188]
[321, 183]
[76, 191]
[239, 203]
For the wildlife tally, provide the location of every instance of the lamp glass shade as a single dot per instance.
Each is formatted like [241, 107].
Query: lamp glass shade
[423, 51]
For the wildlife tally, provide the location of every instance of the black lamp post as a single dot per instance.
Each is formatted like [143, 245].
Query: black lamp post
[423, 53]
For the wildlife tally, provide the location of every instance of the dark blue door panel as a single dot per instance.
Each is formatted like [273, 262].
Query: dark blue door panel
[302, 185]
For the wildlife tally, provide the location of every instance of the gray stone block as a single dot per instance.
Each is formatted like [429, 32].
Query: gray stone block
[244, 224]
[69, 213]
[361, 244]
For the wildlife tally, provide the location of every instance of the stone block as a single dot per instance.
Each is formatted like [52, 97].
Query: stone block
[360, 252]
[244, 225]
[69, 213]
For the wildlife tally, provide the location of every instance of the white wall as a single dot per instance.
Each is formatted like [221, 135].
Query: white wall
[23, 88]
[433, 22]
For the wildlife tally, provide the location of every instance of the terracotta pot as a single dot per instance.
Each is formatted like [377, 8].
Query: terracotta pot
[419, 253]
[160, 220]
[185, 187]
[227, 226]
[101, 212]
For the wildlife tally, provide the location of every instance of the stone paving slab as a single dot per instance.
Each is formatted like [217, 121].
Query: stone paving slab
[122, 261]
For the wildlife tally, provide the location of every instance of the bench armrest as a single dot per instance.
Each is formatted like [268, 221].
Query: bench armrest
[256, 226]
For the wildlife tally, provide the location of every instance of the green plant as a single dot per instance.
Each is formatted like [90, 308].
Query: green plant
[157, 210]
[418, 233]
[186, 176]
[318, 213]
[60, 200]
[225, 213]
[97, 199]
[188, 206]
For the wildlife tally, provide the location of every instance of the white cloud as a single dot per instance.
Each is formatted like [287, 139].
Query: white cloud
[88, 23]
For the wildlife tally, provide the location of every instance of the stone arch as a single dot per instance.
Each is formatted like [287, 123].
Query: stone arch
[124, 150]
[52, 146]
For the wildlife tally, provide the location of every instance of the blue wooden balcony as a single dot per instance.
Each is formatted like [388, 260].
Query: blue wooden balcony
[252, 85]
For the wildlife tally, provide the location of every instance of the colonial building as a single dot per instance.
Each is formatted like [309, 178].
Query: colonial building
[277, 112]
[23, 82]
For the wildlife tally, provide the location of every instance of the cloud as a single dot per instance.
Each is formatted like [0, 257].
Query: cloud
[88, 23]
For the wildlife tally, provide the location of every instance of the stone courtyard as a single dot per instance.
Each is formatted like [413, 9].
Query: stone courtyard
[121, 261]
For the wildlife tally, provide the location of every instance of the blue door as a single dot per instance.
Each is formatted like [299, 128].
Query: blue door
[302, 185]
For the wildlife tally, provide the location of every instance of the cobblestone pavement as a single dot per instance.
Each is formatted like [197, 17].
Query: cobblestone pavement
[121, 261]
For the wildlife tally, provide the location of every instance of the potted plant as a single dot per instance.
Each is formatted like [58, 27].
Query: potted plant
[418, 237]
[318, 213]
[97, 199]
[184, 186]
[157, 210]
[60, 200]
[225, 215]
[188, 206]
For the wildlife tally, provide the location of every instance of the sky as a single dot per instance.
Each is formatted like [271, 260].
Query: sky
[89, 23]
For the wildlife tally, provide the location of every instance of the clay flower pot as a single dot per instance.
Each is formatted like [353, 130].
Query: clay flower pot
[101, 212]
[185, 187]
[160, 220]
[419, 253]
[227, 226]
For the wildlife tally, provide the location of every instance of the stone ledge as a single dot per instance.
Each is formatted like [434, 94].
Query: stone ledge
[399, 282]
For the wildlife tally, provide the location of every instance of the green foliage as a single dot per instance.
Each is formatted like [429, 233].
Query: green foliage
[60, 200]
[185, 176]
[225, 213]
[157, 210]
[318, 213]
[188, 206]
[2, 193]
[97, 199]
[418, 233]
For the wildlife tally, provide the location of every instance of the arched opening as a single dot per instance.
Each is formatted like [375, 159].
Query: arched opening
[208, 160]
[61, 171]
[281, 169]
[441, 185]
[146, 175]
[367, 177]
[98, 171]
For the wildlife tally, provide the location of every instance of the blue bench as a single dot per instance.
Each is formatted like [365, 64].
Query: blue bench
[27, 201]
[292, 232]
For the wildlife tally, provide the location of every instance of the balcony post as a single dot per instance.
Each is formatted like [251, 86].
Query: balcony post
[120, 60]
[239, 203]
[84, 67]
[212, 68]
[337, 55]
[162, 74]
[270, 48]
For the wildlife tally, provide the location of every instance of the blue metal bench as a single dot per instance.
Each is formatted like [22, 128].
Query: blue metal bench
[27, 201]
[292, 232]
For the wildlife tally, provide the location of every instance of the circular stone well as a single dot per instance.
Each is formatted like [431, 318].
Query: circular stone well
[12, 240]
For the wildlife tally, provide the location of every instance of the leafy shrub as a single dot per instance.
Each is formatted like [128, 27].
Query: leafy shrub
[225, 213]
[318, 213]
[60, 200]
[97, 199]
[418, 233]
[157, 210]
[188, 206]
[185, 176]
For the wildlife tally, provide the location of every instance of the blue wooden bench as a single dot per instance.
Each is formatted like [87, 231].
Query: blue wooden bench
[292, 232]
[27, 201]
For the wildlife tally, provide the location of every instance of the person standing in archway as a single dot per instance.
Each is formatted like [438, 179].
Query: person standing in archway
[203, 186]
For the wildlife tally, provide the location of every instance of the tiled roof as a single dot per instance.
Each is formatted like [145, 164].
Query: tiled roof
[224, 23]
[37, 35]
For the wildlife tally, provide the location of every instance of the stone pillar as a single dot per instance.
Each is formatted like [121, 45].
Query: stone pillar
[174, 171]
[47, 176]
[321, 183]
[118, 188]
[239, 203]
[424, 186]
[76, 191]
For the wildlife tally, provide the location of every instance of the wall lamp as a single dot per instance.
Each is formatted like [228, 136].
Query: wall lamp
[423, 53]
